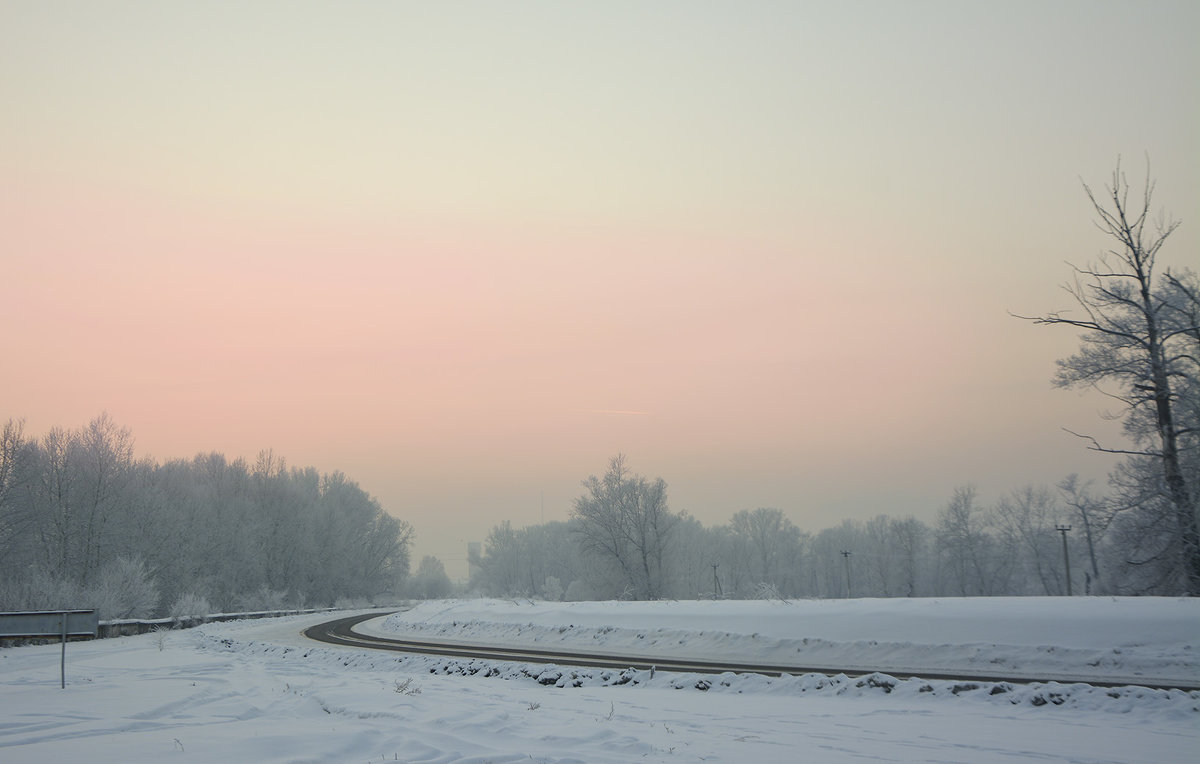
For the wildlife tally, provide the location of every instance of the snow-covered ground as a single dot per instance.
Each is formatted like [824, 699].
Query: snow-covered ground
[257, 691]
[1117, 639]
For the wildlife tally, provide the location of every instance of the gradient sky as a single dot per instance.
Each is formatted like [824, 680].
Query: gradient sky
[465, 252]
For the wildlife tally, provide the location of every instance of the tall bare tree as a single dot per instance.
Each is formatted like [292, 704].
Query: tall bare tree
[624, 518]
[1093, 515]
[973, 561]
[772, 545]
[16, 457]
[1026, 519]
[1139, 346]
[911, 538]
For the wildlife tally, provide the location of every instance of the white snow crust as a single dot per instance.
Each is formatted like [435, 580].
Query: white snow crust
[258, 691]
[1121, 639]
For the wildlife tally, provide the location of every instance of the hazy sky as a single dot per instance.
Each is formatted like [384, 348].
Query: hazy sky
[467, 251]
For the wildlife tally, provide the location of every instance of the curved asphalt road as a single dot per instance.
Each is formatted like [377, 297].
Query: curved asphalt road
[341, 632]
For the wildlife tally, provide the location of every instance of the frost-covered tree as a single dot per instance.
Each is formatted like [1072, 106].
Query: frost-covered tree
[880, 557]
[80, 496]
[913, 570]
[694, 551]
[17, 456]
[430, 581]
[1026, 519]
[769, 545]
[1140, 346]
[519, 562]
[74, 503]
[971, 561]
[498, 567]
[1093, 515]
[124, 588]
[623, 519]
[832, 573]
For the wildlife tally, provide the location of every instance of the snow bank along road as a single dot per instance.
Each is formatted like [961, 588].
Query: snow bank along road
[342, 632]
[259, 691]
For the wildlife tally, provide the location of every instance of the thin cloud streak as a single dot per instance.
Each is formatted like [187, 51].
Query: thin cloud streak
[613, 411]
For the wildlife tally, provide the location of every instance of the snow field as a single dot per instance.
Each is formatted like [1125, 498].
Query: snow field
[257, 691]
[1124, 639]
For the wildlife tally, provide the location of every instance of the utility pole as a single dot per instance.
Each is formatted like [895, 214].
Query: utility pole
[1062, 530]
[846, 557]
[716, 581]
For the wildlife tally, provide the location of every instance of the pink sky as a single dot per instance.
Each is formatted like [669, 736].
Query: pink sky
[465, 255]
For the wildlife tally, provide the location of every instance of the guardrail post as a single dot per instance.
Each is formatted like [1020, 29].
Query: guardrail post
[62, 664]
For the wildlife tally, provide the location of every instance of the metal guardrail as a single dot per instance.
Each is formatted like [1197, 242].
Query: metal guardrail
[76, 624]
[50, 623]
[127, 627]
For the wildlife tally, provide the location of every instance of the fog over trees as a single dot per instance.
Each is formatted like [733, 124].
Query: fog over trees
[85, 524]
[1010, 546]
[1139, 345]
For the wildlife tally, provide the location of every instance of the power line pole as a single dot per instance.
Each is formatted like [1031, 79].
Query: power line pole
[1062, 530]
[846, 557]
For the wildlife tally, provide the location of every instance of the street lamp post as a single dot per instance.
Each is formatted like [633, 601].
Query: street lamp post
[1062, 530]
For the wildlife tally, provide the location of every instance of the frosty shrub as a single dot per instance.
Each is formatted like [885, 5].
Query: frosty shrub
[124, 588]
[190, 605]
[407, 687]
[766, 591]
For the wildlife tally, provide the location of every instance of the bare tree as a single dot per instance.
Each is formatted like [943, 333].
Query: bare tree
[16, 456]
[499, 567]
[79, 517]
[1026, 517]
[911, 539]
[1139, 347]
[430, 582]
[624, 518]
[695, 550]
[880, 554]
[1093, 515]
[105, 460]
[971, 554]
[772, 545]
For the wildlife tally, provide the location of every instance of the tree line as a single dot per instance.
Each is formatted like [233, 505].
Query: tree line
[623, 542]
[1139, 328]
[81, 518]
[84, 523]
